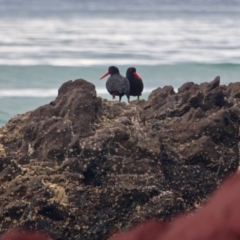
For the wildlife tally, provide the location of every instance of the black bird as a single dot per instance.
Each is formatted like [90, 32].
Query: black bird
[117, 85]
[136, 83]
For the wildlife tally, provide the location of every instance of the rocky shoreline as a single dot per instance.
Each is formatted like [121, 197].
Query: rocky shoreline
[82, 167]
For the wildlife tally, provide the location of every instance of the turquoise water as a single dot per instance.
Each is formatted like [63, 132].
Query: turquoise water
[27, 87]
[45, 43]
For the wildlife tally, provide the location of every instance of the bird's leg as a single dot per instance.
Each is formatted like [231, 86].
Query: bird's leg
[120, 97]
[113, 96]
[128, 99]
[138, 98]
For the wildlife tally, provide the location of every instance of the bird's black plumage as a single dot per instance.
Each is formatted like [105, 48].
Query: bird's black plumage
[136, 83]
[117, 85]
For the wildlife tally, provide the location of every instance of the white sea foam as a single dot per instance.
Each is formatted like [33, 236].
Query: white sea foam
[91, 41]
[43, 93]
[35, 93]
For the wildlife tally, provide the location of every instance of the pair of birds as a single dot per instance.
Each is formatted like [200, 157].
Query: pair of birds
[117, 85]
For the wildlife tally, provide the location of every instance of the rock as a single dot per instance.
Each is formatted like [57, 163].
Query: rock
[206, 223]
[213, 98]
[233, 90]
[185, 87]
[85, 167]
[214, 84]
[160, 97]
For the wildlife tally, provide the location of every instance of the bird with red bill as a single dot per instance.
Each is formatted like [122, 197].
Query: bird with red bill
[117, 85]
[135, 81]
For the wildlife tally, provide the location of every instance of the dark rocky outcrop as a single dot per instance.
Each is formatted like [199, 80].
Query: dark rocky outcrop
[82, 167]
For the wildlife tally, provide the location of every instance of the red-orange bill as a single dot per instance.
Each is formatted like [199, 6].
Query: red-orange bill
[137, 76]
[107, 73]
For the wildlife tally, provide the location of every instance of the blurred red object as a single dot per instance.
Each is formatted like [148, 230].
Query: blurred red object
[219, 219]
[150, 230]
[19, 235]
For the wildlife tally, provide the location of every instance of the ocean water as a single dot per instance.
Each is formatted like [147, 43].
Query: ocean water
[45, 43]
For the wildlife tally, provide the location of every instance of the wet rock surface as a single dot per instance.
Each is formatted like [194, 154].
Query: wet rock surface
[82, 167]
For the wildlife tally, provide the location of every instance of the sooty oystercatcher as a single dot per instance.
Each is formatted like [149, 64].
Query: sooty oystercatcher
[117, 85]
[136, 83]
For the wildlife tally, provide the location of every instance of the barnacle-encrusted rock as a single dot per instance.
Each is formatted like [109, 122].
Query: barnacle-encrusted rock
[82, 167]
[218, 220]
